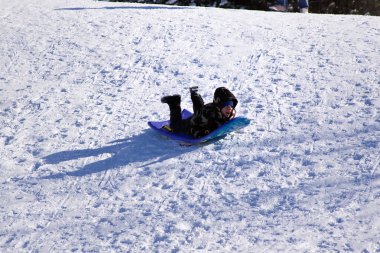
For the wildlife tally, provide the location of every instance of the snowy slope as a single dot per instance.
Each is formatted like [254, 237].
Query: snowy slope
[81, 171]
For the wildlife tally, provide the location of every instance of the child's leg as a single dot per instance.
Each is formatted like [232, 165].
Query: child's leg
[174, 103]
[303, 4]
[175, 118]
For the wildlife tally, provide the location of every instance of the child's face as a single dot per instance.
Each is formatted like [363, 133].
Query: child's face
[227, 111]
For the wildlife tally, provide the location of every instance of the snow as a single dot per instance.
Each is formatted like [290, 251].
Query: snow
[82, 172]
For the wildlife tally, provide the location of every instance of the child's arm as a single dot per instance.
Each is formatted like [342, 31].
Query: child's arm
[196, 99]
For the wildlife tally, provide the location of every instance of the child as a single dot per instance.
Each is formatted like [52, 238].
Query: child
[206, 118]
[282, 6]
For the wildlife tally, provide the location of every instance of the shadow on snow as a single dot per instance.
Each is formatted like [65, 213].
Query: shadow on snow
[146, 147]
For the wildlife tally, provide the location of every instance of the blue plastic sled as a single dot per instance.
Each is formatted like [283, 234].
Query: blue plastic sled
[230, 126]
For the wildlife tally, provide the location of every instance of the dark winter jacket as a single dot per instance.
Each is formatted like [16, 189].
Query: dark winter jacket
[207, 118]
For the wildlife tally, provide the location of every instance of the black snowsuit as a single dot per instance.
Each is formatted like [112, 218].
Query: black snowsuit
[206, 117]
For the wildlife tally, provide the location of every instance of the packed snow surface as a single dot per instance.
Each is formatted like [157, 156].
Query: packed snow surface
[82, 172]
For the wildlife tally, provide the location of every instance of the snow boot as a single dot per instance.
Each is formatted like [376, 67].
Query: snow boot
[171, 100]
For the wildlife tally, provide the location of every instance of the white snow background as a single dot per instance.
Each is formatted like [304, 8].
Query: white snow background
[82, 172]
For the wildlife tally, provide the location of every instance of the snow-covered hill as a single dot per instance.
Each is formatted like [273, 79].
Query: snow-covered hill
[81, 171]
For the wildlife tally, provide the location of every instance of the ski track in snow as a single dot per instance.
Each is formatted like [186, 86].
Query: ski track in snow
[81, 171]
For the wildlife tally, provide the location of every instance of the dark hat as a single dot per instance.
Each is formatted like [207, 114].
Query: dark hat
[222, 95]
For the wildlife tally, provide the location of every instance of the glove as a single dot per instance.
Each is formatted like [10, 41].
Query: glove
[193, 90]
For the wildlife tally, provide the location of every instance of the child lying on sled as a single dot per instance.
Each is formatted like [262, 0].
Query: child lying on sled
[206, 117]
